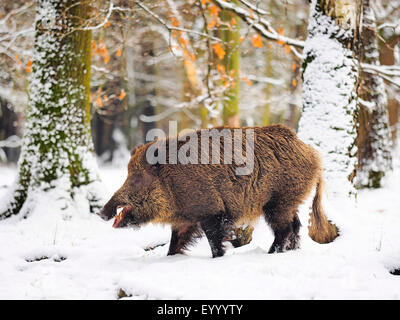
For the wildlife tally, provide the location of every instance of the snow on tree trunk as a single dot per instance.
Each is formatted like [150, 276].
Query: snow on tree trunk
[374, 143]
[330, 70]
[57, 154]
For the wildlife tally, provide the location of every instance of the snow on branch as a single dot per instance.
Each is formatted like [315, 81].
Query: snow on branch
[10, 142]
[394, 26]
[388, 73]
[184, 106]
[384, 12]
[172, 28]
[16, 12]
[261, 25]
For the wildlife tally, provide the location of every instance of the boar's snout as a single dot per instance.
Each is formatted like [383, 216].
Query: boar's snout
[102, 214]
[109, 210]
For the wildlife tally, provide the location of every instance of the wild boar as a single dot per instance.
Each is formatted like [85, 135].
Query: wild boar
[213, 198]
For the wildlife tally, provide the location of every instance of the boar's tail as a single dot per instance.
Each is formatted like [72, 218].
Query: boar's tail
[320, 228]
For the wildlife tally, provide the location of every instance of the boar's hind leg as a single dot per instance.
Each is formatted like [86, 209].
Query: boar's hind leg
[285, 224]
[181, 238]
[217, 229]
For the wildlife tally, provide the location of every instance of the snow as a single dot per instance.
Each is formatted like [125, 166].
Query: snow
[329, 104]
[88, 259]
[57, 138]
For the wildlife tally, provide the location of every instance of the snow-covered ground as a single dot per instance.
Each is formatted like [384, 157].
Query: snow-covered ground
[88, 259]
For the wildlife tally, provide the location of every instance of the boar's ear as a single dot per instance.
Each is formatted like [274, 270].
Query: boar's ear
[153, 169]
[135, 148]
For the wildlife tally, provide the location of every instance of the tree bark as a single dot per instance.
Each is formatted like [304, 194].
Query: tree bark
[387, 57]
[374, 143]
[330, 79]
[231, 37]
[57, 151]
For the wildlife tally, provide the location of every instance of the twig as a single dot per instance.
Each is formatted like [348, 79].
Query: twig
[172, 28]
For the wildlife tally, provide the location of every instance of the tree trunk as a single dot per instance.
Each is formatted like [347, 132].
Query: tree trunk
[231, 37]
[387, 57]
[145, 89]
[57, 152]
[374, 143]
[268, 87]
[230, 33]
[329, 89]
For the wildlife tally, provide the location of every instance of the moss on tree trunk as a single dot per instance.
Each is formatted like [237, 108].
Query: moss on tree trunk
[230, 33]
[57, 141]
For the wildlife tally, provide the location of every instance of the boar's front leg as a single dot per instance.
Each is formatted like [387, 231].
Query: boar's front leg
[182, 237]
[217, 229]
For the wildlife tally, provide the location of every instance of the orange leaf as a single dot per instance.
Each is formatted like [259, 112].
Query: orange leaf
[221, 68]
[99, 102]
[249, 82]
[119, 52]
[28, 67]
[287, 48]
[294, 66]
[174, 22]
[106, 58]
[122, 95]
[214, 10]
[280, 31]
[211, 24]
[233, 21]
[257, 42]
[219, 50]
[182, 41]
[294, 82]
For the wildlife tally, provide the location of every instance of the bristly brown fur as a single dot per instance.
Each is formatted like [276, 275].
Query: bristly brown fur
[320, 229]
[212, 198]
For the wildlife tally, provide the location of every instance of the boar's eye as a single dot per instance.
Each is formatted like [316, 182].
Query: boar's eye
[139, 180]
[135, 179]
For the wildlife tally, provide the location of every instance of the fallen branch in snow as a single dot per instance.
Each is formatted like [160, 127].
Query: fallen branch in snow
[149, 248]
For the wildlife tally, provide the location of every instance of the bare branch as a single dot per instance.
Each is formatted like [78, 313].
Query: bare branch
[262, 26]
[388, 73]
[172, 28]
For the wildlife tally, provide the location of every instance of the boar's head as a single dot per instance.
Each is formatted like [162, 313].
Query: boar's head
[137, 201]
